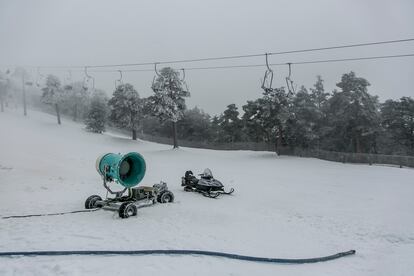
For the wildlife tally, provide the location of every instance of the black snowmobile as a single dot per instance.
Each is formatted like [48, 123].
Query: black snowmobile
[207, 185]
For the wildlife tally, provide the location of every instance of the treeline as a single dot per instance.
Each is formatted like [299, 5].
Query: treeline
[347, 119]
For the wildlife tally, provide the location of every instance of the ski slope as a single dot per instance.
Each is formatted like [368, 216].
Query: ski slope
[283, 207]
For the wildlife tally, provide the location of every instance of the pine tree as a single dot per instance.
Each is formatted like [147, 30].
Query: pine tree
[301, 124]
[126, 108]
[276, 104]
[53, 94]
[266, 118]
[77, 100]
[397, 118]
[97, 113]
[168, 103]
[354, 116]
[4, 81]
[216, 131]
[254, 124]
[231, 125]
[195, 125]
[318, 93]
[320, 99]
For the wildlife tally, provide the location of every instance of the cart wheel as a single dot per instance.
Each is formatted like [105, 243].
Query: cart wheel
[90, 202]
[165, 197]
[127, 209]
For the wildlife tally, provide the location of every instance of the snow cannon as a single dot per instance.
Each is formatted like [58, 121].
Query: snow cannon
[127, 170]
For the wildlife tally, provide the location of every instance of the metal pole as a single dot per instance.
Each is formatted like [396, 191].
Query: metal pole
[24, 97]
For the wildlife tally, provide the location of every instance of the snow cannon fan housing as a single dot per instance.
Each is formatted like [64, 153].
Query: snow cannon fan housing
[127, 170]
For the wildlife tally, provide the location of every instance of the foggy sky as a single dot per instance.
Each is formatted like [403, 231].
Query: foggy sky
[95, 32]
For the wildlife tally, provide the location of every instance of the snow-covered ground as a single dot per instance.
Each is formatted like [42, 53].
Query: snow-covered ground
[283, 207]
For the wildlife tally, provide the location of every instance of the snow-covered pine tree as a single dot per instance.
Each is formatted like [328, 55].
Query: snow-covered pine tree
[254, 123]
[77, 100]
[318, 94]
[231, 124]
[303, 119]
[195, 125]
[3, 89]
[97, 112]
[397, 121]
[126, 108]
[320, 99]
[276, 110]
[354, 115]
[53, 94]
[168, 101]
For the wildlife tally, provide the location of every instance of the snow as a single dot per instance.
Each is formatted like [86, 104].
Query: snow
[283, 207]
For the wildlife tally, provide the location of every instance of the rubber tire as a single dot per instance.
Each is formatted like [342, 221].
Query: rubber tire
[90, 201]
[166, 197]
[127, 209]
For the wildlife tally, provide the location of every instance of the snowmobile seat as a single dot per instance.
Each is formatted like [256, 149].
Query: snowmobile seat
[189, 179]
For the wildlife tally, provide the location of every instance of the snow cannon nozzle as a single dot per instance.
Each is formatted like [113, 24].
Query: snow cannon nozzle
[127, 170]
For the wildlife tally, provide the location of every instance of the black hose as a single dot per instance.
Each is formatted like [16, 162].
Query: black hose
[178, 252]
[51, 214]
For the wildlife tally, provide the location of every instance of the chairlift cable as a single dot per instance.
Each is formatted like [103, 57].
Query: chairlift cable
[256, 65]
[237, 56]
[270, 64]
[258, 55]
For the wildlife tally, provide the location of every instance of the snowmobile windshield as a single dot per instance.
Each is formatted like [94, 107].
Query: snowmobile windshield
[207, 173]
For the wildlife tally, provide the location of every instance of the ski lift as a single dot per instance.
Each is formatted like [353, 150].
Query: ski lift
[156, 71]
[27, 79]
[119, 81]
[68, 85]
[156, 75]
[87, 79]
[289, 81]
[184, 82]
[39, 76]
[268, 76]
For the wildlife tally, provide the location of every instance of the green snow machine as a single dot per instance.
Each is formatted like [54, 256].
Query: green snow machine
[126, 170]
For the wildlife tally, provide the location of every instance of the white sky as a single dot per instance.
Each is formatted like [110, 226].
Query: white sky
[106, 32]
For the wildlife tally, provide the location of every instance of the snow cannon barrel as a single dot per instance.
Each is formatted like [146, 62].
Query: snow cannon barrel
[128, 170]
